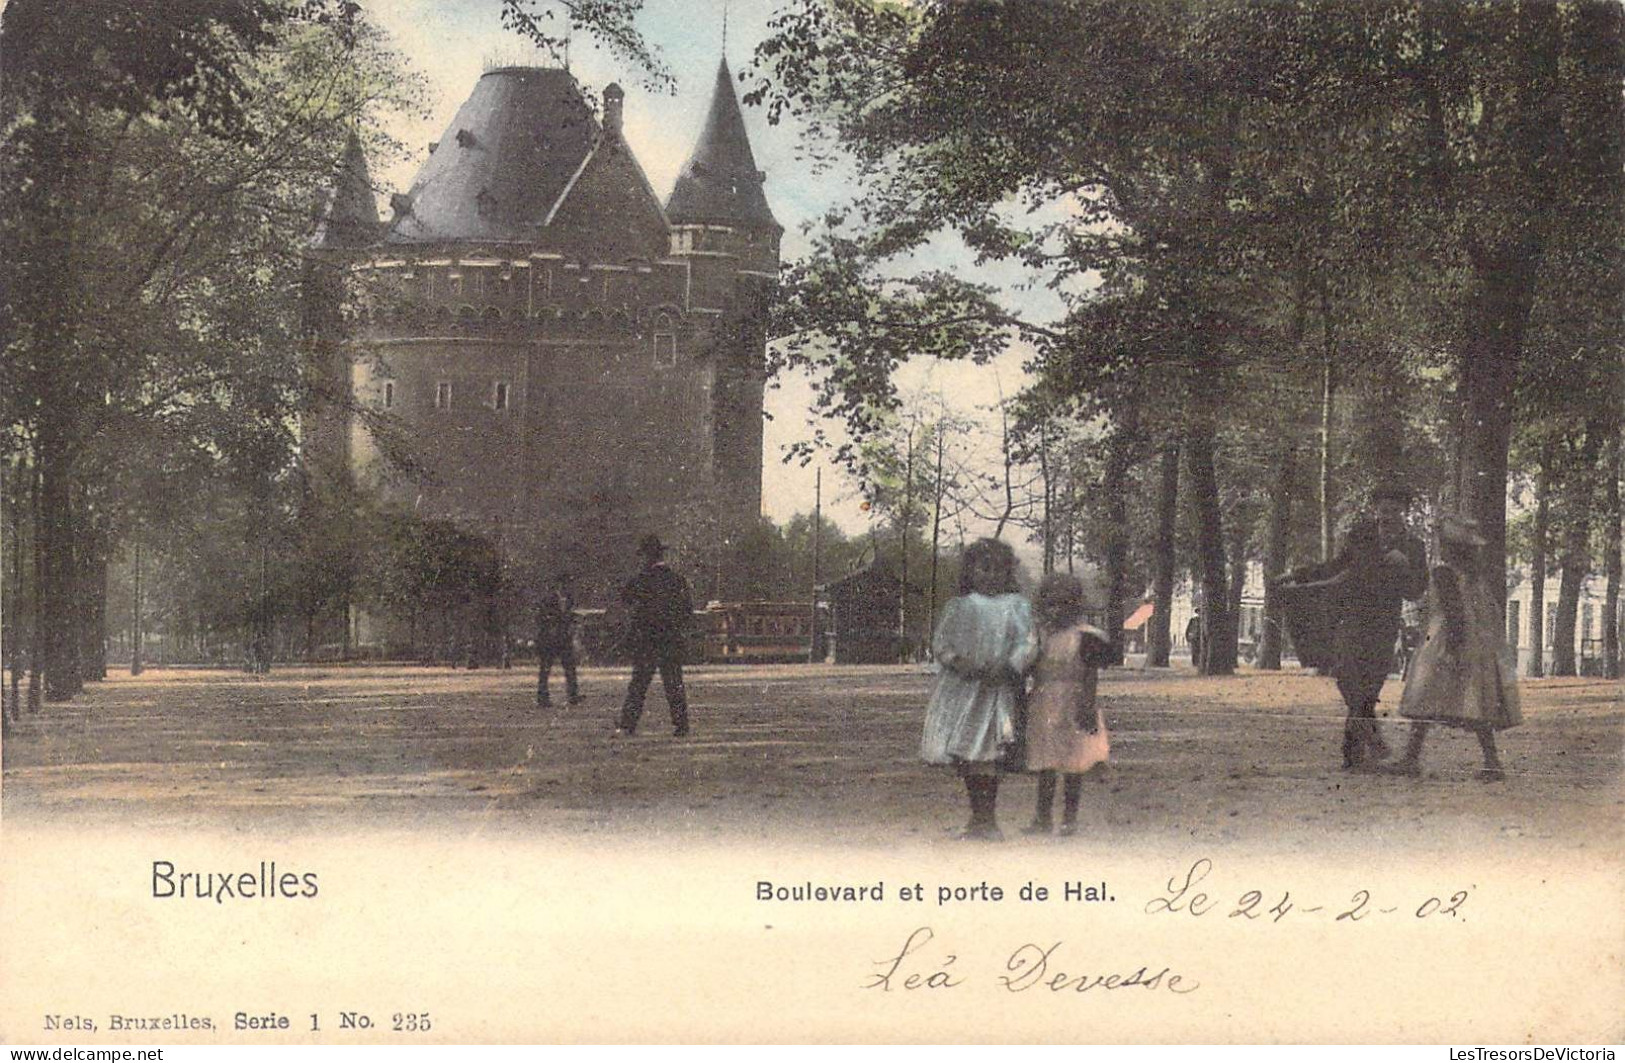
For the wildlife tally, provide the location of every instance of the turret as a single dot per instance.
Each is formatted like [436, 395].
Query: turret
[348, 214]
[721, 225]
[717, 205]
[346, 221]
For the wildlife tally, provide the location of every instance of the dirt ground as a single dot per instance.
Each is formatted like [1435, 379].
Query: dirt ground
[810, 753]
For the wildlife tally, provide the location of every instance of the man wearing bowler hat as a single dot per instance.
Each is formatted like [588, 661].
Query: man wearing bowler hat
[660, 610]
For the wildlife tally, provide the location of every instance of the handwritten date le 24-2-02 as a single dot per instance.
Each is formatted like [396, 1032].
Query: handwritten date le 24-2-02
[1191, 895]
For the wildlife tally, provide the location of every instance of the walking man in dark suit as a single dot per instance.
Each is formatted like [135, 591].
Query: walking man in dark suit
[555, 640]
[660, 610]
[1380, 566]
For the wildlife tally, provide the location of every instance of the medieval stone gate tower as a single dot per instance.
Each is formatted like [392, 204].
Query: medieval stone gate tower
[563, 362]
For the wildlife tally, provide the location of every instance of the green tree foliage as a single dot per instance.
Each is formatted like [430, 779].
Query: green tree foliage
[1347, 204]
[160, 174]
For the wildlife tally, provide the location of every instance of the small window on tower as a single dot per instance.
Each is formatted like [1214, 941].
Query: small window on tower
[665, 342]
[442, 395]
[389, 394]
[499, 395]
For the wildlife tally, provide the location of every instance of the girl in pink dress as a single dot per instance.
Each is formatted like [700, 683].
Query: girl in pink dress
[1065, 730]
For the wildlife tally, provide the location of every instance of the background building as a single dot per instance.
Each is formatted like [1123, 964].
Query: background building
[548, 354]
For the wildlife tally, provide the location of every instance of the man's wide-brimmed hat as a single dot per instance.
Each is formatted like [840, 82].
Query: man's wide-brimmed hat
[1462, 531]
[651, 546]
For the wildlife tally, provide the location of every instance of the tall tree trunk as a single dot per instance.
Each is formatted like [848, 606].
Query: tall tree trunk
[1046, 534]
[903, 647]
[1220, 640]
[136, 664]
[1238, 582]
[36, 627]
[1506, 262]
[1537, 567]
[93, 612]
[1275, 553]
[1498, 315]
[1574, 572]
[1119, 456]
[58, 597]
[936, 543]
[1159, 642]
[1579, 495]
[20, 642]
[1328, 410]
[1615, 516]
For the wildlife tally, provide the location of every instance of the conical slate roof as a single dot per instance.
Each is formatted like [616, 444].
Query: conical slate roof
[348, 214]
[720, 184]
[501, 166]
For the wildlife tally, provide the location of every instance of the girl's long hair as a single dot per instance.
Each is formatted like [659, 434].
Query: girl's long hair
[1061, 599]
[992, 550]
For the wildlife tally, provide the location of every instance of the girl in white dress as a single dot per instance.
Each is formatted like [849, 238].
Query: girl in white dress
[983, 647]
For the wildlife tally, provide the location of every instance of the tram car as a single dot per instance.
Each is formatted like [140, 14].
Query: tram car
[756, 632]
[721, 633]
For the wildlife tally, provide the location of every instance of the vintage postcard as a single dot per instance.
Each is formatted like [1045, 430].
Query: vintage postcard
[822, 521]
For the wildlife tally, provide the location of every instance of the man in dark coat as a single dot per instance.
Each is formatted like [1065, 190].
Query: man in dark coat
[555, 640]
[1380, 566]
[659, 611]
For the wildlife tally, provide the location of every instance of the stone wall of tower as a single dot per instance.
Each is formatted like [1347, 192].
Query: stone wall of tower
[564, 409]
[734, 270]
[324, 437]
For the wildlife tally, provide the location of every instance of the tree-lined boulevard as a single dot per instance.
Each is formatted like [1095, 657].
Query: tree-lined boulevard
[1293, 252]
[787, 754]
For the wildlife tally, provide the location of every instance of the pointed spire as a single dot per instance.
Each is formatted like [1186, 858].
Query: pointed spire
[349, 215]
[720, 184]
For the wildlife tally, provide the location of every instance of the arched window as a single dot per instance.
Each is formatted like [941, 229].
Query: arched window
[499, 395]
[467, 313]
[492, 314]
[665, 341]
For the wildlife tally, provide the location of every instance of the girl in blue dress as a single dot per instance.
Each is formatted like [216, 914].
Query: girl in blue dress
[984, 647]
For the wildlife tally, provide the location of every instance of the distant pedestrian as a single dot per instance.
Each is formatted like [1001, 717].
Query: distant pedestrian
[1066, 732]
[1463, 675]
[1193, 638]
[984, 646]
[555, 639]
[659, 611]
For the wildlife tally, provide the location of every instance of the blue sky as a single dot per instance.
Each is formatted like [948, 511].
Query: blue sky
[451, 42]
